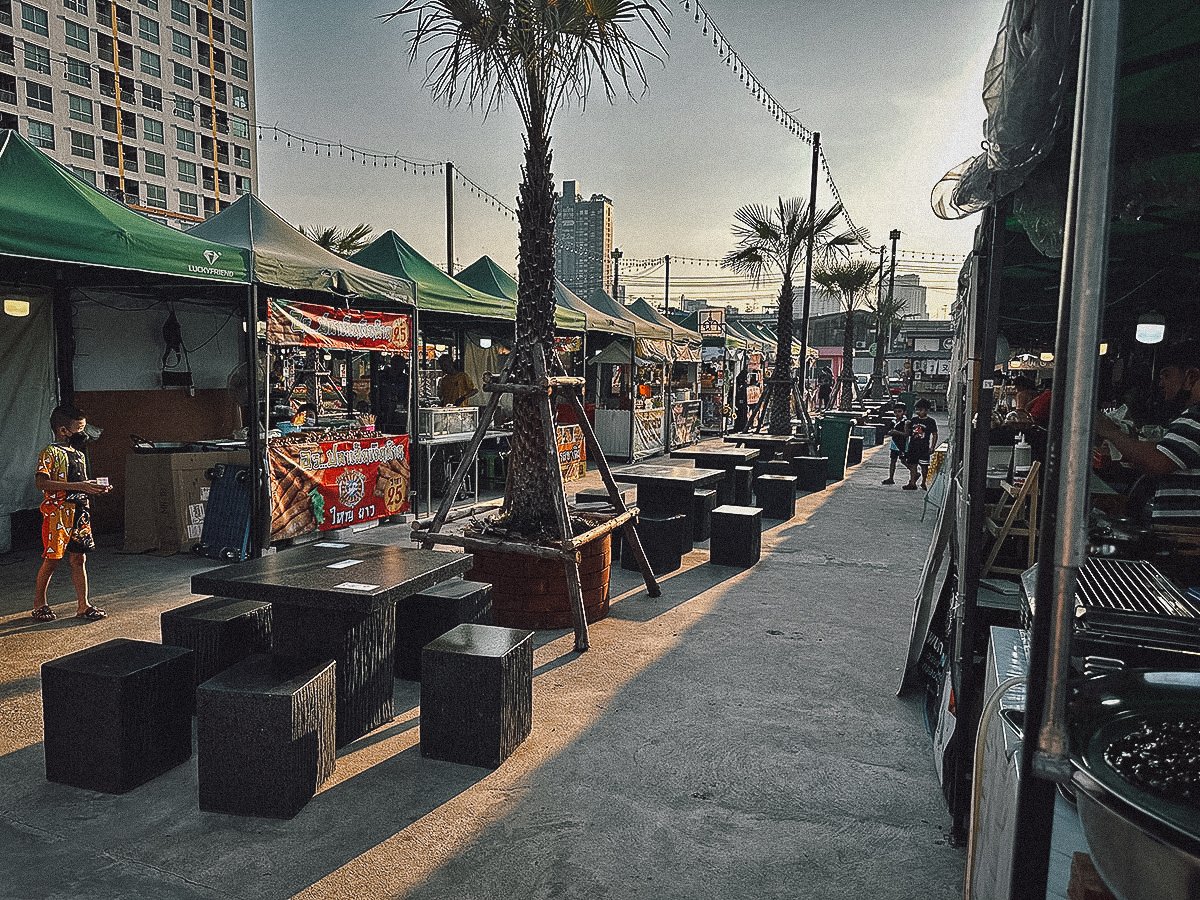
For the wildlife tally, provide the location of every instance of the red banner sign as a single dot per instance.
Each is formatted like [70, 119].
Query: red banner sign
[325, 485]
[309, 325]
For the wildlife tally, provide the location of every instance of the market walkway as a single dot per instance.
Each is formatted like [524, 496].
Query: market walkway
[737, 738]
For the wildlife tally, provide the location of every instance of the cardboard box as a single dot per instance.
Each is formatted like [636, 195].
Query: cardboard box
[166, 495]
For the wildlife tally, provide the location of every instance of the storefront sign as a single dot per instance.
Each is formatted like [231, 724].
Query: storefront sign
[325, 485]
[309, 325]
[710, 322]
[572, 454]
[685, 423]
[647, 432]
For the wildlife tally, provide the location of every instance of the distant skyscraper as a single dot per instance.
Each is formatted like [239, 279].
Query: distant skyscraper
[583, 241]
[909, 291]
[164, 121]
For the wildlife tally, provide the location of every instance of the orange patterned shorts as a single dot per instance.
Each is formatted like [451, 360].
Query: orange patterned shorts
[66, 529]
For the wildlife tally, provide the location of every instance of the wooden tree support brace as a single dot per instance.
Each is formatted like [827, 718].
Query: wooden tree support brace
[617, 521]
[614, 494]
[497, 545]
[456, 515]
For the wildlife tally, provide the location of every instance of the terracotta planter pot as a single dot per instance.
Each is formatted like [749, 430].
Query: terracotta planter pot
[532, 593]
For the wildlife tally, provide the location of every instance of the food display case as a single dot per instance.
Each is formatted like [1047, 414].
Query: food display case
[435, 421]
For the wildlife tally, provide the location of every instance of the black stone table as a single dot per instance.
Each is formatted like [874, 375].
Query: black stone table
[726, 458]
[769, 445]
[668, 490]
[334, 600]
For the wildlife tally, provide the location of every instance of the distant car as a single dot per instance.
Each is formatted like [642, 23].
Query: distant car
[862, 380]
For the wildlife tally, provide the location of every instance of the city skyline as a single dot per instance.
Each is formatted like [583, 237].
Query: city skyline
[896, 98]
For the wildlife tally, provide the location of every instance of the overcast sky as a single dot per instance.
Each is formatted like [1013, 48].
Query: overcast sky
[893, 88]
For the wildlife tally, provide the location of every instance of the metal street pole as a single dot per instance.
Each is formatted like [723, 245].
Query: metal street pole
[667, 289]
[877, 374]
[449, 218]
[806, 307]
[616, 258]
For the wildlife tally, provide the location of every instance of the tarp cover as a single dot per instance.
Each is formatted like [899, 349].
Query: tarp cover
[47, 213]
[730, 340]
[436, 291]
[643, 329]
[281, 256]
[27, 394]
[687, 342]
[485, 275]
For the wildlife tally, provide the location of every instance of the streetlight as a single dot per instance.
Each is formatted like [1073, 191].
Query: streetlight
[616, 258]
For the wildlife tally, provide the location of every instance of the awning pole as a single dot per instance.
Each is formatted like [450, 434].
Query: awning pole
[1063, 542]
[259, 511]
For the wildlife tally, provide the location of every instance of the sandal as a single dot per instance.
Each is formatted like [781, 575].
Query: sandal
[92, 614]
[43, 614]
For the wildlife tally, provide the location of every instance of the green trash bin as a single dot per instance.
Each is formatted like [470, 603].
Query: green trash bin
[835, 441]
[909, 399]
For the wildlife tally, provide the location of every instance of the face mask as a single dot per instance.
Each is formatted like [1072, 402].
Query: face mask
[78, 441]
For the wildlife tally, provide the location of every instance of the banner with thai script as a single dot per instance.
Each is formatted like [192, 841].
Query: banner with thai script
[325, 485]
[572, 454]
[310, 325]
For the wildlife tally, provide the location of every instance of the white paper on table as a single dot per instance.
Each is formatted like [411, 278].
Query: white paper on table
[355, 586]
[344, 564]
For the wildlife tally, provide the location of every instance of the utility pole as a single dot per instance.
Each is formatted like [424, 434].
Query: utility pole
[876, 384]
[667, 290]
[895, 236]
[616, 258]
[808, 256]
[449, 218]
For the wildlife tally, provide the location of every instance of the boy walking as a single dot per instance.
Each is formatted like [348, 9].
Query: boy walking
[66, 519]
[922, 438]
[899, 439]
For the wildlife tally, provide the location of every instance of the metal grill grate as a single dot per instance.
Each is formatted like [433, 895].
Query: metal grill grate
[1131, 586]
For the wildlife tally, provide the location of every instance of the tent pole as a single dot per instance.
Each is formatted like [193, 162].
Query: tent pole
[259, 511]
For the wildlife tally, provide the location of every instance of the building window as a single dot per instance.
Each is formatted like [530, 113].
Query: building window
[37, 20]
[129, 125]
[185, 108]
[151, 64]
[152, 130]
[189, 203]
[181, 12]
[83, 144]
[239, 67]
[39, 96]
[181, 43]
[187, 171]
[149, 4]
[79, 6]
[183, 75]
[237, 36]
[79, 72]
[241, 185]
[185, 140]
[241, 156]
[108, 117]
[86, 175]
[37, 58]
[239, 127]
[156, 196]
[147, 29]
[241, 97]
[78, 36]
[8, 88]
[151, 96]
[7, 52]
[81, 109]
[156, 163]
[41, 134]
[238, 8]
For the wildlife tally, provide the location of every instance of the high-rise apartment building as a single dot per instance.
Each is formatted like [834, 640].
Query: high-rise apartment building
[152, 101]
[583, 241]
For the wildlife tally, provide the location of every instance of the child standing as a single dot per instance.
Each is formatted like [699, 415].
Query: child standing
[899, 437]
[66, 519]
[922, 438]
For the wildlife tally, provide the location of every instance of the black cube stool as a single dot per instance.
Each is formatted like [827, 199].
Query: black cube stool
[431, 613]
[736, 536]
[854, 450]
[265, 736]
[118, 714]
[476, 694]
[776, 495]
[743, 485]
[662, 538]
[600, 495]
[703, 503]
[811, 472]
[220, 630]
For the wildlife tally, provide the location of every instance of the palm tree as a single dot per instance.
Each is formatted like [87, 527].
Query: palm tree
[539, 55]
[342, 241]
[888, 309]
[773, 241]
[851, 280]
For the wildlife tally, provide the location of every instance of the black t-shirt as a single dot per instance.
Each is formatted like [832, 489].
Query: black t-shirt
[922, 433]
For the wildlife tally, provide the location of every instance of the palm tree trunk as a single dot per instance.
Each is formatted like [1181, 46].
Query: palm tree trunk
[846, 394]
[528, 495]
[781, 379]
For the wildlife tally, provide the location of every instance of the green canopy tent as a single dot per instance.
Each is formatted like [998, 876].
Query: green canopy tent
[486, 275]
[730, 340]
[683, 337]
[60, 236]
[282, 257]
[641, 328]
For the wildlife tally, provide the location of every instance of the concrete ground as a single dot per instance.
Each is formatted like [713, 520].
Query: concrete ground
[738, 737]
